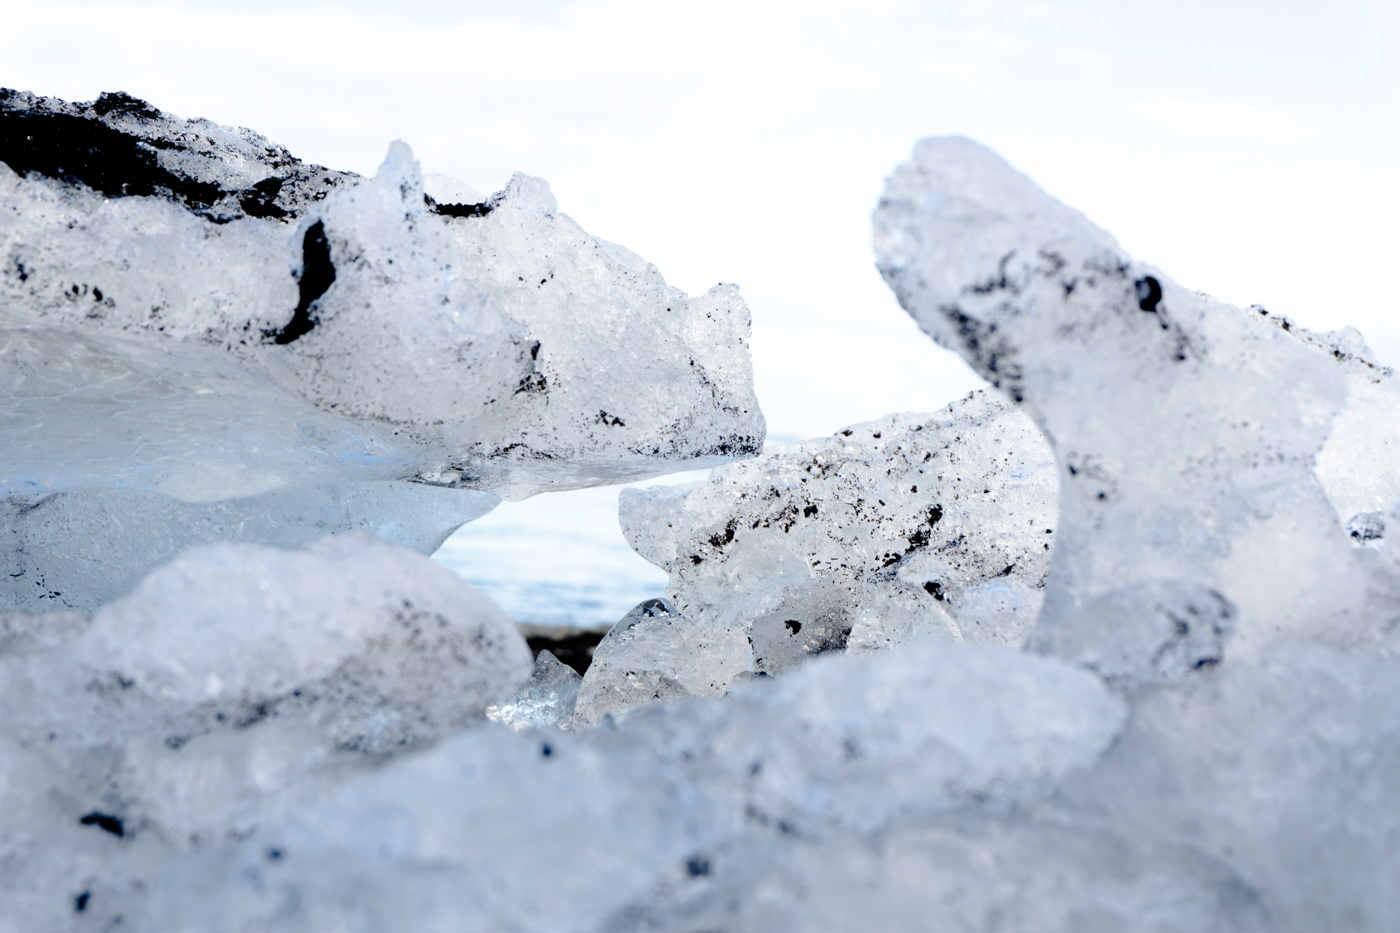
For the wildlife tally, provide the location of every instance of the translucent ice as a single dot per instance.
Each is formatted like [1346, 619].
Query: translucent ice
[546, 699]
[233, 683]
[1186, 430]
[910, 527]
[655, 654]
[189, 309]
[639, 827]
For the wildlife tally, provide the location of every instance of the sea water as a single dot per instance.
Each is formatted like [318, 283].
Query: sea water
[558, 558]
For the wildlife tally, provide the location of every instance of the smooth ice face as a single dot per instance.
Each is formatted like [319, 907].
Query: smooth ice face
[1186, 430]
[235, 322]
[645, 825]
[53, 541]
[908, 528]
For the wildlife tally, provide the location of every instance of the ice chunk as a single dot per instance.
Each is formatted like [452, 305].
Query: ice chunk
[389, 632]
[547, 698]
[232, 684]
[231, 321]
[1283, 770]
[55, 543]
[1146, 633]
[654, 654]
[651, 817]
[1185, 429]
[898, 530]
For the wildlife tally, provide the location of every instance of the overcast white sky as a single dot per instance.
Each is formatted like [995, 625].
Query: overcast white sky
[1249, 149]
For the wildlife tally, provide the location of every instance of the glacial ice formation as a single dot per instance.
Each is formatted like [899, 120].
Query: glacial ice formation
[1194, 728]
[1186, 430]
[248, 322]
[898, 530]
[187, 309]
[233, 681]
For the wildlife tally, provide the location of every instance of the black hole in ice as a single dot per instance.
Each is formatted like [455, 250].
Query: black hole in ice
[793, 626]
[83, 150]
[317, 274]
[809, 511]
[697, 866]
[104, 822]
[546, 751]
[935, 515]
[1149, 293]
[458, 210]
[80, 902]
[934, 589]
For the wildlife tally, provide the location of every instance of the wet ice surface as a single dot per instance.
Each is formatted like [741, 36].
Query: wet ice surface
[1114, 649]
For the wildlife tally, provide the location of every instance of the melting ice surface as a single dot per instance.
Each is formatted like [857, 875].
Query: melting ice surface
[1110, 644]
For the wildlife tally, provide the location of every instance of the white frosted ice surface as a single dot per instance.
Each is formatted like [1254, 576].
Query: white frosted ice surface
[234, 681]
[910, 528]
[655, 654]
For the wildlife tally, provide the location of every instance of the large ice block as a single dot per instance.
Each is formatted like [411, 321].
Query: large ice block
[1186, 430]
[189, 309]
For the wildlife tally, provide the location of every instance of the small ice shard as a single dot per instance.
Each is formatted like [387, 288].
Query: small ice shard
[1282, 769]
[1185, 429]
[54, 542]
[230, 321]
[546, 699]
[655, 654]
[909, 528]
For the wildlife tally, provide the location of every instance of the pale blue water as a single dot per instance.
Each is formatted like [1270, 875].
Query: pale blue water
[558, 558]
